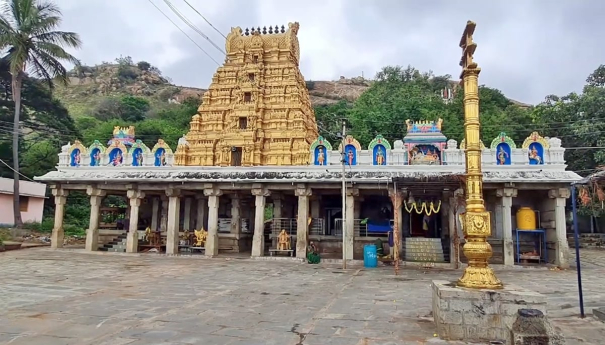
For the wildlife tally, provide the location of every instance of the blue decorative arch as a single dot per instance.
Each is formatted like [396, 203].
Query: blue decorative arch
[535, 153]
[159, 157]
[503, 154]
[116, 156]
[350, 154]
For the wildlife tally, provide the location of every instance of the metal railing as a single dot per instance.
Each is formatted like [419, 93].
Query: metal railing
[224, 225]
[359, 228]
[316, 227]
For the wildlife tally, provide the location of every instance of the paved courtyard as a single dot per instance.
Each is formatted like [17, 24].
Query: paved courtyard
[71, 297]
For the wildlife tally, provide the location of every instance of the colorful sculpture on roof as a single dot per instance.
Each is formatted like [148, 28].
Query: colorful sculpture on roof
[351, 150]
[535, 146]
[320, 150]
[379, 148]
[424, 142]
[503, 146]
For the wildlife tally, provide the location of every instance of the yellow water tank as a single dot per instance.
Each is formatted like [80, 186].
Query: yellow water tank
[526, 219]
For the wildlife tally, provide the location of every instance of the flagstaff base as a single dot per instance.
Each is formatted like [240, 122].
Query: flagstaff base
[480, 315]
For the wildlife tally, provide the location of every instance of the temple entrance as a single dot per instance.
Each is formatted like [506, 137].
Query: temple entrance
[422, 225]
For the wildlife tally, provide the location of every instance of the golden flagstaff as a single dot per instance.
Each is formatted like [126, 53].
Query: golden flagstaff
[476, 220]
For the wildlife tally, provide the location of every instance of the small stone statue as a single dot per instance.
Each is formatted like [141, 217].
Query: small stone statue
[283, 241]
[147, 234]
[200, 237]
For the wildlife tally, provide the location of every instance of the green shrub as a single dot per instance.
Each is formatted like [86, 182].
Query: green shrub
[310, 84]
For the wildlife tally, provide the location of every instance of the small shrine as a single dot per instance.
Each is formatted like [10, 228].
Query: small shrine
[424, 142]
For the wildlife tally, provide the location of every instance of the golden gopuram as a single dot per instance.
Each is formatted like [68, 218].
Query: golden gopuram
[476, 221]
[257, 109]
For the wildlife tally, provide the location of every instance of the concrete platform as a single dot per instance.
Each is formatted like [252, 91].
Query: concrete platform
[480, 315]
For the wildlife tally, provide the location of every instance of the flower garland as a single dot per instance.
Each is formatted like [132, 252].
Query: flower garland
[424, 208]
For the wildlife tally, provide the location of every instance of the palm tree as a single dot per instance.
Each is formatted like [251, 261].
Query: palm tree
[29, 38]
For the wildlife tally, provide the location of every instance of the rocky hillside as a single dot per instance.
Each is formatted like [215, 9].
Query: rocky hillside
[90, 85]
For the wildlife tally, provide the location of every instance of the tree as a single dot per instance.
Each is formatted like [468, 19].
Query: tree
[143, 65]
[133, 108]
[28, 32]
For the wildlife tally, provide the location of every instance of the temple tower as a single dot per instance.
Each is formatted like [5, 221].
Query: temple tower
[257, 109]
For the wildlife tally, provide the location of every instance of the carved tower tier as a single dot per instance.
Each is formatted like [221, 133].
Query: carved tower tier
[257, 109]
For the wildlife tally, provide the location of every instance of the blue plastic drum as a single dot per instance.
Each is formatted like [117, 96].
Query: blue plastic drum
[370, 258]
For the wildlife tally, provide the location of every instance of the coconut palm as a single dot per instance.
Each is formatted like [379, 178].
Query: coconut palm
[32, 44]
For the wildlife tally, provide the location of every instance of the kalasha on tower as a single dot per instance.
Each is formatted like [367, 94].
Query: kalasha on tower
[257, 109]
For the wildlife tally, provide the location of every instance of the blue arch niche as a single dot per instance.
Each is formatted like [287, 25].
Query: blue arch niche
[320, 156]
[137, 157]
[160, 157]
[95, 157]
[503, 154]
[350, 155]
[535, 153]
[379, 155]
[75, 158]
[116, 157]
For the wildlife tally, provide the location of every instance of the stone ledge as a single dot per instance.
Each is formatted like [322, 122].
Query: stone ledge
[599, 314]
[480, 315]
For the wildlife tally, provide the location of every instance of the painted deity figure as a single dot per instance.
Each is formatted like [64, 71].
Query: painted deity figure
[117, 159]
[321, 156]
[502, 156]
[283, 241]
[77, 158]
[96, 158]
[161, 158]
[350, 157]
[380, 157]
[533, 154]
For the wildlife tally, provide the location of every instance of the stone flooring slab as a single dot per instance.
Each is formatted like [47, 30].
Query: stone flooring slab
[72, 297]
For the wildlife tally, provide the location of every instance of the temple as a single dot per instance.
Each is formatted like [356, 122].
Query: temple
[252, 176]
[257, 109]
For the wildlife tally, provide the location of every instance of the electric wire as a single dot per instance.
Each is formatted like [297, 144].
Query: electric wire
[207, 21]
[192, 26]
[184, 33]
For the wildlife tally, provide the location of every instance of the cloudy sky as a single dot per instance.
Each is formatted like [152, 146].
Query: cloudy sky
[528, 49]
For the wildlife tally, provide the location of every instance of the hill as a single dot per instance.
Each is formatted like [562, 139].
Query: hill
[89, 86]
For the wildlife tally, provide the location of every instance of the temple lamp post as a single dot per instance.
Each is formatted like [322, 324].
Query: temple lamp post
[476, 220]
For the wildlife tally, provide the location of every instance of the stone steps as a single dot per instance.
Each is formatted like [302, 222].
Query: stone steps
[117, 245]
[423, 249]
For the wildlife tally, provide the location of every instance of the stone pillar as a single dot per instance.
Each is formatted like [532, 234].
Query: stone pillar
[508, 249]
[187, 215]
[302, 227]
[357, 209]
[202, 206]
[349, 229]
[315, 206]
[258, 241]
[58, 234]
[154, 213]
[278, 200]
[164, 214]
[453, 231]
[172, 227]
[211, 247]
[92, 234]
[561, 247]
[132, 240]
[397, 200]
[236, 218]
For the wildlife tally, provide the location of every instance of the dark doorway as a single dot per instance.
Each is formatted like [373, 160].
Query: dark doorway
[243, 122]
[236, 156]
[425, 226]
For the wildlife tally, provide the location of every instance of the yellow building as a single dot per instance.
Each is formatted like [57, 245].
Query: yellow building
[257, 109]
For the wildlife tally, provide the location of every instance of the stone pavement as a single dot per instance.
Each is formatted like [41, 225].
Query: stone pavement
[71, 297]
